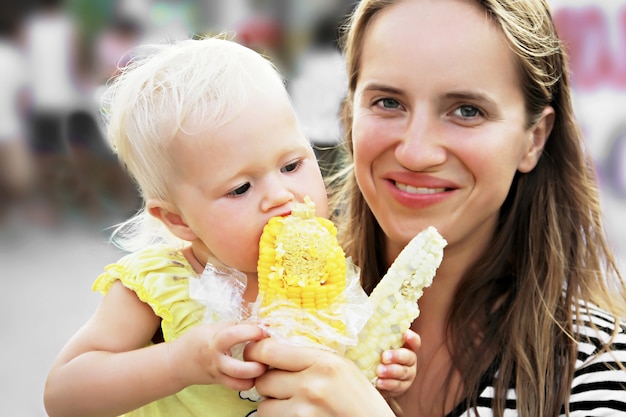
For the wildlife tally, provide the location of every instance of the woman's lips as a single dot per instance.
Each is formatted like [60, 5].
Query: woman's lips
[419, 191]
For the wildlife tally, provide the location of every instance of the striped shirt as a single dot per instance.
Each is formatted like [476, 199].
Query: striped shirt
[599, 386]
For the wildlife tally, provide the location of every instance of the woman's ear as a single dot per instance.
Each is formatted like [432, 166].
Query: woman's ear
[171, 217]
[539, 134]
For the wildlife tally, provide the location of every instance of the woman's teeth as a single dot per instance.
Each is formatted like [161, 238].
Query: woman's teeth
[418, 190]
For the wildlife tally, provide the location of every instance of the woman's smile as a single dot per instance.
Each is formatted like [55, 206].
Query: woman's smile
[418, 190]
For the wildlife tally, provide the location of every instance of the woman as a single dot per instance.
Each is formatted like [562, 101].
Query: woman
[459, 116]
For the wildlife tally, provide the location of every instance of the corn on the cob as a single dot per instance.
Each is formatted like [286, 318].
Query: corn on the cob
[395, 300]
[301, 263]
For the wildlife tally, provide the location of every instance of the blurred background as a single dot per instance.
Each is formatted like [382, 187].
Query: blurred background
[61, 188]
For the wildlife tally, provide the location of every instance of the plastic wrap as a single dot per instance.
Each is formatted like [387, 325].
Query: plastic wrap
[220, 291]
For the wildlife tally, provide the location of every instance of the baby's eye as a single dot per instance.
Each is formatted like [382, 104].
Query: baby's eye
[467, 112]
[239, 190]
[291, 166]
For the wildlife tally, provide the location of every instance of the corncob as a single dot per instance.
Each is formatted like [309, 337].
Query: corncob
[302, 264]
[395, 300]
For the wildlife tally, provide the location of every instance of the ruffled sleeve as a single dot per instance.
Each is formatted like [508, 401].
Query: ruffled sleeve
[160, 278]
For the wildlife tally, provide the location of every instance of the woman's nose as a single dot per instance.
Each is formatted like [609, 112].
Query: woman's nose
[421, 143]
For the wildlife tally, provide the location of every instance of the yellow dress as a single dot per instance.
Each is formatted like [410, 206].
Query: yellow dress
[160, 278]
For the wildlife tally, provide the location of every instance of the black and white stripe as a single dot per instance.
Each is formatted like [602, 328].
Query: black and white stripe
[599, 385]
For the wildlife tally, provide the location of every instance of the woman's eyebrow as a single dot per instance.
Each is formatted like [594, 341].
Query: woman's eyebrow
[470, 95]
[382, 88]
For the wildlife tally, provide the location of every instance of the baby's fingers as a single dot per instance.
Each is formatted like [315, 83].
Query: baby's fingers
[397, 371]
[233, 371]
[394, 379]
[402, 356]
[412, 340]
[238, 374]
[241, 369]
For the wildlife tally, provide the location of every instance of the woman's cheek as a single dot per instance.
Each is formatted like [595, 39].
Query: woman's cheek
[370, 136]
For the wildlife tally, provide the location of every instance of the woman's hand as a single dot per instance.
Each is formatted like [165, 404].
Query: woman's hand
[313, 382]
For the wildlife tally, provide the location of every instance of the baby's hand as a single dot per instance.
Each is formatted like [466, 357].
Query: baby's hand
[203, 355]
[399, 366]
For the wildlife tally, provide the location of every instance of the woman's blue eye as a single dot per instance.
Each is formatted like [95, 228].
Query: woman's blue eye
[240, 190]
[389, 103]
[468, 112]
[290, 167]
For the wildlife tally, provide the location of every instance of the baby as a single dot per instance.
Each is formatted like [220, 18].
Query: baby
[207, 131]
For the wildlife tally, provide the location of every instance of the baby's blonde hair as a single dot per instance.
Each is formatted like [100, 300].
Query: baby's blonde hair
[187, 86]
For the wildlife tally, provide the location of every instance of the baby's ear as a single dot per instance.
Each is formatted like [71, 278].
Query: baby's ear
[171, 217]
